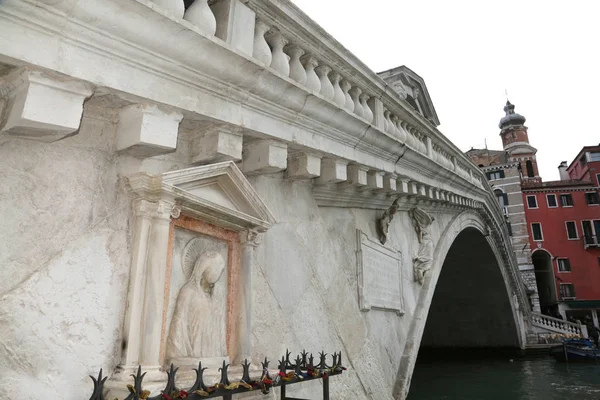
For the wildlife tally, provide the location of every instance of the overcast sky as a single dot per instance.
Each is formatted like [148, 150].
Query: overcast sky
[545, 53]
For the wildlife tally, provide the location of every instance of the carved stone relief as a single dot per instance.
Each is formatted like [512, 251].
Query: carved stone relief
[198, 318]
[385, 220]
[423, 261]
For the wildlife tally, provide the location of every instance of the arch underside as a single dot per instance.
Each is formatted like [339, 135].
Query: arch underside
[471, 306]
[465, 300]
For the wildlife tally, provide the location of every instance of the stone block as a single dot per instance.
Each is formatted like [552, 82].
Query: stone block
[375, 180]
[390, 183]
[304, 166]
[403, 186]
[264, 156]
[41, 106]
[220, 143]
[144, 130]
[333, 171]
[413, 188]
[357, 175]
[235, 24]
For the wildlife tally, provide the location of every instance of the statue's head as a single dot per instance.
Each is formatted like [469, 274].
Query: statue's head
[209, 268]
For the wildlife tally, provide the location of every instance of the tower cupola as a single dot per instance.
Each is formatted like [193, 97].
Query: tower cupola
[511, 118]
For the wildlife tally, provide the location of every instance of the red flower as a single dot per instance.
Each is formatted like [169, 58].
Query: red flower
[183, 394]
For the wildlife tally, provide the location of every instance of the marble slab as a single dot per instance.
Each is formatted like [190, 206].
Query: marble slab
[379, 276]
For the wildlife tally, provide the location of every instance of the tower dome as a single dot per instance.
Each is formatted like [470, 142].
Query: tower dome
[511, 118]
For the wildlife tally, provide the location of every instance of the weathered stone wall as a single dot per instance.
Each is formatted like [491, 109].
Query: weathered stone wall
[66, 266]
[66, 258]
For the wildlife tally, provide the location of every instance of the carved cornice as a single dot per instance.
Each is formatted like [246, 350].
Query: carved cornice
[203, 75]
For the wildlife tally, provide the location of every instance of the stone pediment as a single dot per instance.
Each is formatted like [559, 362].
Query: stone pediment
[411, 87]
[217, 193]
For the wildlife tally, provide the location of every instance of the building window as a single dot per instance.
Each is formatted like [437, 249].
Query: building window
[502, 200]
[567, 291]
[509, 227]
[536, 228]
[566, 200]
[597, 179]
[595, 156]
[571, 230]
[591, 230]
[551, 199]
[592, 198]
[495, 175]
[564, 265]
[532, 202]
[529, 168]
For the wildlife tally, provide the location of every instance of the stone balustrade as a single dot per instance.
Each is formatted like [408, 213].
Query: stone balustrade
[557, 325]
[284, 44]
[278, 36]
[334, 83]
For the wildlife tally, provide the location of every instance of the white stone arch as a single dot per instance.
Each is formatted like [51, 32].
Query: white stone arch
[544, 250]
[465, 220]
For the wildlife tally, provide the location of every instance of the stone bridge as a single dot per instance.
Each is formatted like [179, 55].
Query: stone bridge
[126, 130]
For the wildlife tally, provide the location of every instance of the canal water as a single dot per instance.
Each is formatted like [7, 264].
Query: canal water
[505, 375]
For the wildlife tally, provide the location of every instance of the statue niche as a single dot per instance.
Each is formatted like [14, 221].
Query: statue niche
[198, 325]
[423, 261]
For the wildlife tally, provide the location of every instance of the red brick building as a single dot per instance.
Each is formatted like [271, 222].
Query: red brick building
[563, 220]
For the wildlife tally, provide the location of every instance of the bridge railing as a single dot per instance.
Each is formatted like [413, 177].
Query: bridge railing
[290, 45]
[558, 325]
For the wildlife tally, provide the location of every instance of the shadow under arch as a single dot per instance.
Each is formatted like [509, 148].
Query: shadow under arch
[545, 281]
[463, 243]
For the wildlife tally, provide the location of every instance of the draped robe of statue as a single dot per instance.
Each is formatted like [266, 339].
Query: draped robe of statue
[198, 324]
[423, 261]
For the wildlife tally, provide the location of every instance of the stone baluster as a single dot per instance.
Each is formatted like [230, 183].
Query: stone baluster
[368, 113]
[422, 145]
[349, 104]
[355, 93]
[327, 90]
[338, 94]
[312, 80]
[177, 7]
[386, 120]
[200, 14]
[262, 51]
[406, 130]
[401, 132]
[297, 71]
[280, 60]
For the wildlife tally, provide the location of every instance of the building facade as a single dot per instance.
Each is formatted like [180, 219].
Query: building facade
[506, 170]
[564, 228]
[554, 226]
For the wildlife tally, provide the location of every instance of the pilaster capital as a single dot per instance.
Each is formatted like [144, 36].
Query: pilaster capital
[160, 209]
[251, 237]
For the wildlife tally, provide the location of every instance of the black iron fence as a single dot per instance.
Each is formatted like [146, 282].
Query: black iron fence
[302, 369]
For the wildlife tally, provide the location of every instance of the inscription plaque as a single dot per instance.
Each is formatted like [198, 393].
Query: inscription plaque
[379, 276]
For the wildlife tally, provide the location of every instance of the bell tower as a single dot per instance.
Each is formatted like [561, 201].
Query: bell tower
[516, 143]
